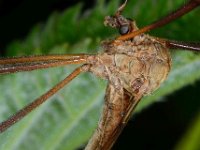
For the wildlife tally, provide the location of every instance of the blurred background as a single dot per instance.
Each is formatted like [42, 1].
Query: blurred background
[169, 123]
[19, 16]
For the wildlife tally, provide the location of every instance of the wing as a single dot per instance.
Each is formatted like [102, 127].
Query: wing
[117, 110]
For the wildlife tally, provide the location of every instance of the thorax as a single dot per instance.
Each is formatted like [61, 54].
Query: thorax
[139, 65]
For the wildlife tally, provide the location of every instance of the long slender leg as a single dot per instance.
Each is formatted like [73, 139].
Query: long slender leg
[191, 46]
[7, 69]
[192, 4]
[26, 110]
[12, 65]
[41, 58]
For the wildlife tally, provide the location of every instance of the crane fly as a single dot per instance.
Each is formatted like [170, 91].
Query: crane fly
[135, 64]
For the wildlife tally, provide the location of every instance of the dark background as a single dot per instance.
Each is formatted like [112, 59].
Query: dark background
[18, 16]
[160, 126]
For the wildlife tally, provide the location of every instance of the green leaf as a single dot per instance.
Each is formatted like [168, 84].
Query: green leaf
[68, 119]
[190, 141]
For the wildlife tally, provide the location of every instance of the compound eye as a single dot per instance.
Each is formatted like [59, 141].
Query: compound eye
[124, 29]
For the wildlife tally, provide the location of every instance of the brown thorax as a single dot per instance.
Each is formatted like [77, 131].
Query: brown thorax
[138, 65]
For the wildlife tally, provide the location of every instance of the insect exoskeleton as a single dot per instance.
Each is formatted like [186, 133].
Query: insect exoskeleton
[139, 65]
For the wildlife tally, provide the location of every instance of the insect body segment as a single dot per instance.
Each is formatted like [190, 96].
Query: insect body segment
[123, 24]
[118, 21]
[125, 61]
[133, 68]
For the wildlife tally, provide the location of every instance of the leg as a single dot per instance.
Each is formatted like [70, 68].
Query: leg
[178, 13]
[12, 65]
[26, 110]
[192, 46]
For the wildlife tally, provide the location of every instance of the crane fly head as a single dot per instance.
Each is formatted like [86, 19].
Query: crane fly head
[123, 24]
